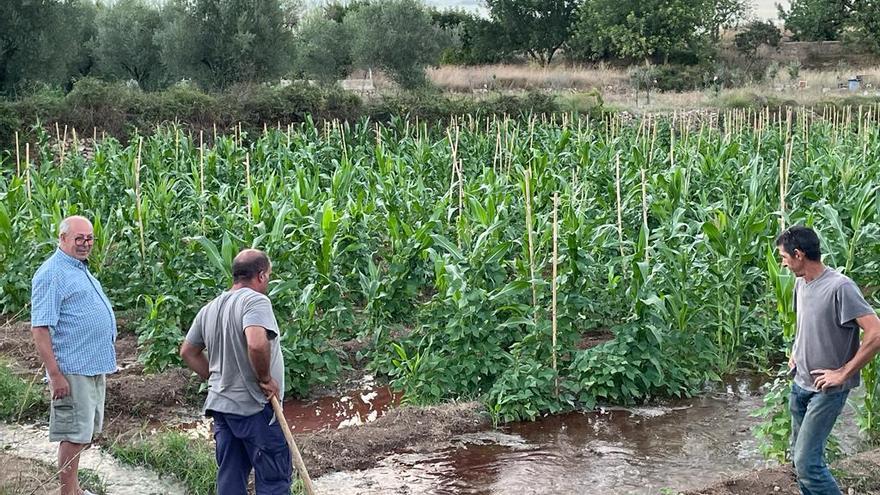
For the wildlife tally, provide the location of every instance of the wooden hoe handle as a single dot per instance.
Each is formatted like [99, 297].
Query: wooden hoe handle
[297, 458]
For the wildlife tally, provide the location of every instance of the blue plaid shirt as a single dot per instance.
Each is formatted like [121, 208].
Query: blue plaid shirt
[66, 298]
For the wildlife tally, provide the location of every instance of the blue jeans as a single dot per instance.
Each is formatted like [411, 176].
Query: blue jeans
[250, 442]
[812, 416]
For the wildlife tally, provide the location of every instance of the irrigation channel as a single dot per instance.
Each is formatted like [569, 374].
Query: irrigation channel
[679, 445]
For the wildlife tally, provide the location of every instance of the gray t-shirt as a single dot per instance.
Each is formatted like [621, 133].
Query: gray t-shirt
[219, 328]
[827, 333]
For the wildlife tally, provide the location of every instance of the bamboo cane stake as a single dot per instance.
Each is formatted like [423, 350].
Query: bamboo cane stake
[201, 162]
[781, 193]
[452, 168]
[137, 198]
[58, 141]
[528, 180]
[247, 174]
[645, 206]
[496, 156]
[555, 262]
[458, 167]
[17, 156]
[27, 169]
[619, 208]
[64, 145]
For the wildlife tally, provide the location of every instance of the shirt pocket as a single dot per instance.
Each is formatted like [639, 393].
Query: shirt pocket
[64, 415]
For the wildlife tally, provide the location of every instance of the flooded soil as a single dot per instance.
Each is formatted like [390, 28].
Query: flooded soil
[676, 446]
[366, 403]
[451, 449]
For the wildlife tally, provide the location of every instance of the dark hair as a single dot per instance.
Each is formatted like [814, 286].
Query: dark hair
[246, 267]
[802, 238]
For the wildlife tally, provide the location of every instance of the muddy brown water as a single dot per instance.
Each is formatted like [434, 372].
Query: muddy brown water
[677, 445]
[363, 405]
[357, 403]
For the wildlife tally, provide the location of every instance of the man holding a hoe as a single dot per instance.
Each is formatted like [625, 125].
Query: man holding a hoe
[243, 365]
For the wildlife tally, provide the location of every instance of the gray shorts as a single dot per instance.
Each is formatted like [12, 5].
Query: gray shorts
[79, 416]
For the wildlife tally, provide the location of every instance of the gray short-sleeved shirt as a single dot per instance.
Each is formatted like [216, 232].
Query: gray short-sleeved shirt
[827, 333]
[219, 328]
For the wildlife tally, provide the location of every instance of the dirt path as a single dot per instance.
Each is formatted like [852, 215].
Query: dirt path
[858, 475]
[31, 442]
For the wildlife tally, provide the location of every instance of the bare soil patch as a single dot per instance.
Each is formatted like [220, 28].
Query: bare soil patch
[857, 474]
[22, 476]
[17, 343]
[405, 428]
[594, 338]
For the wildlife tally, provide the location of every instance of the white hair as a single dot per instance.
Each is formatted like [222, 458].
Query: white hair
[64, 226]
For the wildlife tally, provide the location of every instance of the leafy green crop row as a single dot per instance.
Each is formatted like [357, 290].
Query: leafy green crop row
[418, 239]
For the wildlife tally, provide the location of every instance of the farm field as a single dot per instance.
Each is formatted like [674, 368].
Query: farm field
[489, 271]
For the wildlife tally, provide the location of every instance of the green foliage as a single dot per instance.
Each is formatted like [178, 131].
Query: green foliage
[637, 366]
[190, 461]
[527, 389]
[402, 52]
[755, 34]
[538, 29]
[125, 45]
[323, 50]
[33, 34]
[308, 357]
[680, 77]
[477, 40]
[815, 20]
[869, 409]
[222, 42]
[160, 333]
[90, 480]
[20, 399]
[638, 30]
[774, 434]
[864, 25]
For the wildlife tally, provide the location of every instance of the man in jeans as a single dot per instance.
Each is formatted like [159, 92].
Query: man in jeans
[74, 330]
[244, 369]
[826, 357]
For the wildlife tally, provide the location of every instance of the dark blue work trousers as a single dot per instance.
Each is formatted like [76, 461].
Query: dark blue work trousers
[250, 442]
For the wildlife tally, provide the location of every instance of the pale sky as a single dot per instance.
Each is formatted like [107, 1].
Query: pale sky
[766, 9]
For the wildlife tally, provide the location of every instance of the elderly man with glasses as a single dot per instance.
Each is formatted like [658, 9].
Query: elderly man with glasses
[74, 330]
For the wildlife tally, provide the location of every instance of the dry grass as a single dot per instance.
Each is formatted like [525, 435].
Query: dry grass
[464, 79]
[614, 85]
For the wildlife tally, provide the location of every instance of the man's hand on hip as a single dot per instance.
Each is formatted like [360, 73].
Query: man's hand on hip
[59, 386]
[271, 388]
[824, 379]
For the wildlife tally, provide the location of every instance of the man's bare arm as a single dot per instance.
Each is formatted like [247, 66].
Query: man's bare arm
[195, 359]
[43, 341]
[870, 344]
[261, 357]
[870, 324]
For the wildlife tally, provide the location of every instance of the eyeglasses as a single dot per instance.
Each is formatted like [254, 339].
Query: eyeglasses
[82, 240]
